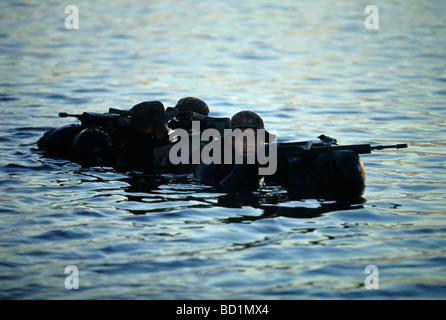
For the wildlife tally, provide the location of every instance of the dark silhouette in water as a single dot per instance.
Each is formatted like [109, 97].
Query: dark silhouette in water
[137, 141]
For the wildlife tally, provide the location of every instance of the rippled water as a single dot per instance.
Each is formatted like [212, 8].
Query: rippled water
[307, 68]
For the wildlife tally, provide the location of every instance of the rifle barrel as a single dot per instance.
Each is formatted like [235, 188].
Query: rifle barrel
[394, 146]
[299, 147]
[65, 115]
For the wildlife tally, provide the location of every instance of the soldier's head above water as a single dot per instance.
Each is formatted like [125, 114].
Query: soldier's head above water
[148, 117]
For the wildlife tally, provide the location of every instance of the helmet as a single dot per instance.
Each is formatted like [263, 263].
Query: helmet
[193, 104]
[247, 119]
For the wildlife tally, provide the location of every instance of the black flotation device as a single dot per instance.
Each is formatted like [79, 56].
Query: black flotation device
[339, 172]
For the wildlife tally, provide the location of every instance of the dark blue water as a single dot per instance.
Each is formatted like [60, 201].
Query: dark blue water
[306, 68]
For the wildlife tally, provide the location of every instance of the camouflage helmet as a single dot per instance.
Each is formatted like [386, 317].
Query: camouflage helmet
[247, 119]
[193, 104]
[147, 114]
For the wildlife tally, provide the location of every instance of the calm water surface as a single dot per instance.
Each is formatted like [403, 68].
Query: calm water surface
[307, 68]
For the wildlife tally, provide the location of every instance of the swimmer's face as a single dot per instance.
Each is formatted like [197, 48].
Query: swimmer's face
[247, 143]
[147, 130]
[160, 131]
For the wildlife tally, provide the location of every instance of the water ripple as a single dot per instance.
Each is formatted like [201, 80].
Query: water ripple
[306, 69]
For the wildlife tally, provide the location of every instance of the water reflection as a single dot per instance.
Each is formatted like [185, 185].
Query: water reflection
[180, 192]
[285, 205]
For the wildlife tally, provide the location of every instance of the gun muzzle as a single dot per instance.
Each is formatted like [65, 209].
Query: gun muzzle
[394, 146]
[65, 115]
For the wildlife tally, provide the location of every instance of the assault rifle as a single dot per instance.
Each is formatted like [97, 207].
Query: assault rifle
[97, 120]
[100, 120]
[309, 149]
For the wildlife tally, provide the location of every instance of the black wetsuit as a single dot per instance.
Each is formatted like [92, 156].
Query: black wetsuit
[229, 177]
[133, 150]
